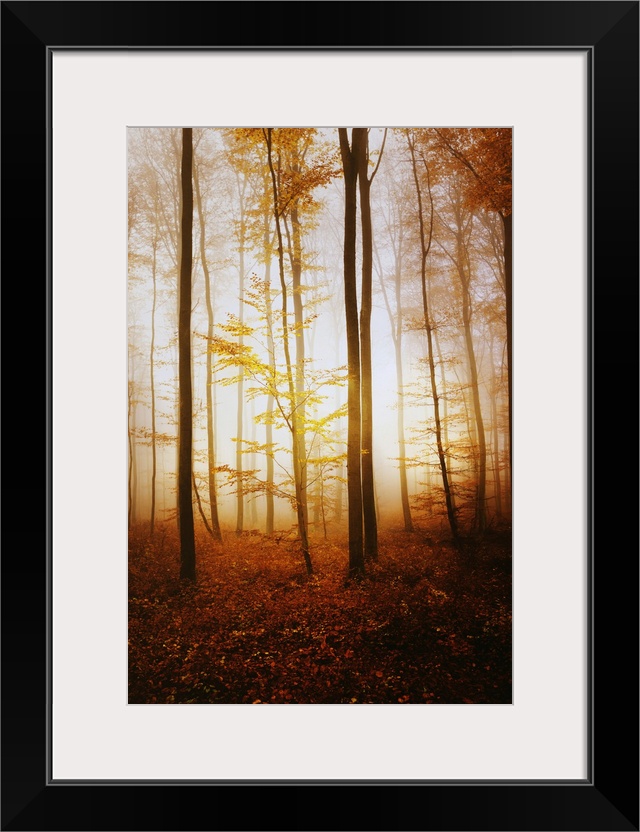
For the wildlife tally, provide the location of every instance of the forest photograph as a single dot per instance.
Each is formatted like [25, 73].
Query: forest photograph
[319, 415]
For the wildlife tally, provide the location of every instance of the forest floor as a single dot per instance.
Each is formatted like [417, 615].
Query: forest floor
[428, 624]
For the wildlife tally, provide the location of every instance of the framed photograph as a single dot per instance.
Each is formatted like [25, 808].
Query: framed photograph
[96, 731]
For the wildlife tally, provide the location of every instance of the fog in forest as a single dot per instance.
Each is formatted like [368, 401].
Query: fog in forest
[235, 253]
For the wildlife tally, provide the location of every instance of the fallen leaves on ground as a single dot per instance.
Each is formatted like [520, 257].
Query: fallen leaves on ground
[428, 625]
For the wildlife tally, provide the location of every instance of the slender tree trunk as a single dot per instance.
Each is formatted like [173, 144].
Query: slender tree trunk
[445, 419]
[131, 408]
[396, 336]
[176, 415]
[152, 519]
[428, 487]
[337, 506]
[269, 519]
[496, 442]
[463, 268]
[354, 480]
[211, 454]
[324, 518]
[203, 516]
[130, 385]
[497, 487]
[134, 482]
[425, 247]
[507, 222]
[297, 474]
[298, 317]
[163, 480]
[253, 505]
[270, 514]
[368, 494]
[240, 390]
[402, 446]
[507, 490]
[472, 429]
[318, 506]
[178, 150]
[187, 540]
[463, 385]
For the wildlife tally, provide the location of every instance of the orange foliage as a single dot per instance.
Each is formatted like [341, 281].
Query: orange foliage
[426, 626]
[486, 154]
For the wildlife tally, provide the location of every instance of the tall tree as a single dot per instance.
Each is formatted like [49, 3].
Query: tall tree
[486, 154]
[154, 453]
[396, 237]
[242, 182]
[294, 418]
[461, 228]
[267, 245]
[211, 454]
[495, 443]
[350, 156]
[131, 403]
[368, 492]
[445, 417]
[425, 247]
[158, 155]
[185, 440]
[245, 156]
[302, 166]
[294, 245]
[133, 468]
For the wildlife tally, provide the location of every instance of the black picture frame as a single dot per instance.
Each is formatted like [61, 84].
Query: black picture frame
[608, 798]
